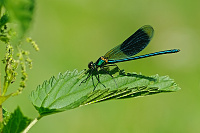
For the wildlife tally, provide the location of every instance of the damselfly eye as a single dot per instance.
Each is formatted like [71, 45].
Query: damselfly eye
[90, 65]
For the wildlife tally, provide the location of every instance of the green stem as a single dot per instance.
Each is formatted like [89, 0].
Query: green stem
[1, 109]
[6, 82]
[32, 124]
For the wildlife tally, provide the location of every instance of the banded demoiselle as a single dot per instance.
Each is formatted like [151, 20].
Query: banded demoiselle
[124, 52]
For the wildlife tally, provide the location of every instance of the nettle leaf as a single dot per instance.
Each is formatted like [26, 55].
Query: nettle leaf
[21, 11]
[65, 92]
[6, 117]
[16, 123]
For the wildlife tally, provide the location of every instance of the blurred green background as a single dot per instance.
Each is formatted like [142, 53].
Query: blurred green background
[71, 33]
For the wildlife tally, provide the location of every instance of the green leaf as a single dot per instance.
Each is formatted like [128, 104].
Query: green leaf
[17, 122]
[21, 11]
[3, 20]
[65, 92]
[6, 117]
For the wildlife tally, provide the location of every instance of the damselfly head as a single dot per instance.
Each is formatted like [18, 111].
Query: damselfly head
[91, 65]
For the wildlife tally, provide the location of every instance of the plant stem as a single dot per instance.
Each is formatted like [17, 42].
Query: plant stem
[1, 113]
[31, 124]
[1, 109]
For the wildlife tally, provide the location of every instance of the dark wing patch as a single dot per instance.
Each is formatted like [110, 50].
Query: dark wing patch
[133, 45]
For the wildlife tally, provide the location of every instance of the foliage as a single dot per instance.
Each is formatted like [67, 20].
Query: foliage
[17, 122]
[15, 20]
[66, 91]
